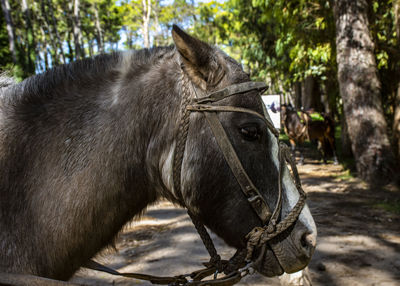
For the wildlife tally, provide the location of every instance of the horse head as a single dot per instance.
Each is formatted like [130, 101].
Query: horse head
[208, 187]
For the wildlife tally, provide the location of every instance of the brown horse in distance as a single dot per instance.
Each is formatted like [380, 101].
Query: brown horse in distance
[302, 127]
[294, 128]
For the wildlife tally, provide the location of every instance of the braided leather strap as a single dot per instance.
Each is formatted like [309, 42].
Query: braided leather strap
[181, 137]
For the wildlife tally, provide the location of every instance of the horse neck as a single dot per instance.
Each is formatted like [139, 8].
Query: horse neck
[106, 143]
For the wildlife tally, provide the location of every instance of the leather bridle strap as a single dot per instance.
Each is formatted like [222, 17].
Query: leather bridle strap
[191, 279]
[252, 194]
[232, 90]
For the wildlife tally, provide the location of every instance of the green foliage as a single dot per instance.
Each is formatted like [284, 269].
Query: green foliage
[285, 41]
[5, 55]
[281, 42]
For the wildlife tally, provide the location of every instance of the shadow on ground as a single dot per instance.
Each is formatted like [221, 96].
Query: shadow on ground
[358, 242]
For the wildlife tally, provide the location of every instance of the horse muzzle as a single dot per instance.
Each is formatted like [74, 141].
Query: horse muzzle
[286, 254]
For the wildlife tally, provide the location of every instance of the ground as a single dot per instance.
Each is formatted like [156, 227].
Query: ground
[358, 237]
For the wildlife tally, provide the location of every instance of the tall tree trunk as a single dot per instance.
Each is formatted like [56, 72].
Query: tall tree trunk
[70, 49]
[157, 36]
[129, 38]
[79, 51]
[360, 92]
[54, 54]
[68, 8]
[29, 37]
[44, 48]
[345, 138]
[396, 118]
[311, 95]
[146, 22]
[5, 5]
[57, 35]
[99, 31]
[332, 92]
[90, 45]
[298, 95]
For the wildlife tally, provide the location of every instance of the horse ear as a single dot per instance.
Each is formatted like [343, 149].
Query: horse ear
[199, 59]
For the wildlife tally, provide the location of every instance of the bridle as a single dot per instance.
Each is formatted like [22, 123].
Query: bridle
[259, 235]
[241, 263]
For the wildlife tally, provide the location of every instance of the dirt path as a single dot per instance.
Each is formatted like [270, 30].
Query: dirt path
[358, 241]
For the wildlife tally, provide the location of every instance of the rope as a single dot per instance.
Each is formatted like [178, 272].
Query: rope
[207, 241]
[182, 137]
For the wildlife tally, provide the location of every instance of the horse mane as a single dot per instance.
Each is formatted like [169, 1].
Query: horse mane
[78, 72]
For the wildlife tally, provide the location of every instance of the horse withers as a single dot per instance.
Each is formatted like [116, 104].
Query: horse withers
[86, 147]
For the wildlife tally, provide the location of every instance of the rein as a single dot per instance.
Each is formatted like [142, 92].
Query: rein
[241, 263]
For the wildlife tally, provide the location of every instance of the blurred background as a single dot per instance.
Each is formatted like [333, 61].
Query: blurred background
[339, 58]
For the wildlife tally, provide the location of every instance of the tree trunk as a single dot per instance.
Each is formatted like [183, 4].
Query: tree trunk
[311, 94]
[54, 55]
[396, 124]
[70, 49]
[90, 45]
[44, 48]
[146, 22]
[344, 138]
[298, 95]
[396, 117]
[360, 92]
[5, 5]
[157, 37]
[99, 35]
[29, 37]
[332, 93]
[129, 38]
[57, 35]
[79, 52]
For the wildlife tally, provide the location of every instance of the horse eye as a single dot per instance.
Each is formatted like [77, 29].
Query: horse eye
[250, 133]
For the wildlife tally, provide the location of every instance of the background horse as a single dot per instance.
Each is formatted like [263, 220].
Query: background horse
[85, 147]
[323, 132]
[299, 126]
[294, 128]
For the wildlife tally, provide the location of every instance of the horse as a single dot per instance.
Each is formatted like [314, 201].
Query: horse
[294, 128]
[85, 147]
[323, 132]
[299, 127]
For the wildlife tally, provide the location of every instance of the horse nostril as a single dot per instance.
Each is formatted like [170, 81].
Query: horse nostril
[308, 243]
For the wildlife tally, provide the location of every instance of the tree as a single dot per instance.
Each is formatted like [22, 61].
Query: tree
[5, 55]
[146, 22]
[30, 42]
[287, 42]
[396, 117]
[5, 5]
[360, 92]
[79, 51]
[99, 31]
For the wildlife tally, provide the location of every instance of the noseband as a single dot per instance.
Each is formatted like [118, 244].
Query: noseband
[241, 263]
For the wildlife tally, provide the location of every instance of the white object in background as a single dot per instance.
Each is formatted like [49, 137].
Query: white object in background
[273, 105]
